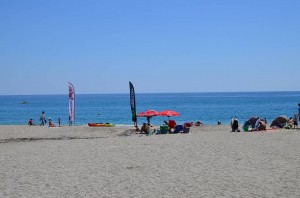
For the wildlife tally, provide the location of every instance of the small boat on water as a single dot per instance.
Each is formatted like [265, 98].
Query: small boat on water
[101, 124]
[24, 102]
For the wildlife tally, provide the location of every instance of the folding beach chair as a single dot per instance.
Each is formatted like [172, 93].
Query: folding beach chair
[164, 129]
[178, 129]
[186, 129]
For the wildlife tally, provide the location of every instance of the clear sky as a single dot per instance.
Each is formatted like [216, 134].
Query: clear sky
[158, 45]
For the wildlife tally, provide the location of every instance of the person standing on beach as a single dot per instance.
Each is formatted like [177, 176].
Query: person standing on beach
[299, 111]
[42, 119]
[295, 121]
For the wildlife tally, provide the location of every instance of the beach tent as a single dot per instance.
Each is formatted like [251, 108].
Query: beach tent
[280, 121]
[251, 121]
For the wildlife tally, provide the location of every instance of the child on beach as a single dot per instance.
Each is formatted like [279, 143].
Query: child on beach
[51, 124]
[295, 120]
[30, 122]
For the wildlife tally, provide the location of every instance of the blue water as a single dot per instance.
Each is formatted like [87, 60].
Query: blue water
[115, 108]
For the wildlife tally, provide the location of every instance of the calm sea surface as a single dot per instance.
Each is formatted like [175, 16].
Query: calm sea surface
[115, 108]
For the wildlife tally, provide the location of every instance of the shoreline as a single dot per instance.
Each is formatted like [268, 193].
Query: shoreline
[25, 132]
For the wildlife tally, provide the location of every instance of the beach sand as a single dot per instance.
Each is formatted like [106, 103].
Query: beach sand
[210, 161]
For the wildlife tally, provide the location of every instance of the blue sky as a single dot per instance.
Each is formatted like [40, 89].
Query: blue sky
[160, 46]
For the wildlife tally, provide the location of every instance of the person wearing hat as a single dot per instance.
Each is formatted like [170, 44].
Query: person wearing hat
[51, 124]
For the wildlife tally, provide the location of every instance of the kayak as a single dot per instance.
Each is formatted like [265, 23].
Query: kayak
[101, 125]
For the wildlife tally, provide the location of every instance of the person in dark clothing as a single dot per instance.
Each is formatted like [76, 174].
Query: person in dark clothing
[235, 125]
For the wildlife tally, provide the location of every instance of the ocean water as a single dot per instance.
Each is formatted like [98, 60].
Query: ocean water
[115, 108]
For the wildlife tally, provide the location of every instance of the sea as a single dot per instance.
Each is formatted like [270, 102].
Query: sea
[115, 108]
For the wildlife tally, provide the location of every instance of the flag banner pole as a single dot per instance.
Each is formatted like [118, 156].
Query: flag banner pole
[72, 104]
[133, 104]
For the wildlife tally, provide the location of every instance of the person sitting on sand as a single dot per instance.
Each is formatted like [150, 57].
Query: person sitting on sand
[235, 125]
[262, 126]
[51, 124]
[145, 128]
[30, 122]
[152, 129]
[188, 124]
[289, 123]
[199, 123]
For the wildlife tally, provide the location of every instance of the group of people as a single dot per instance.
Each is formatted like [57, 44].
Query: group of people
[260, 124]
[292, 122]
[148, 128]
[44, 121]
[253, 124]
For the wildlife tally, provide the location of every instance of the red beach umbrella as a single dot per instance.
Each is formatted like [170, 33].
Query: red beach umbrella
[148, 114]
[169, 113]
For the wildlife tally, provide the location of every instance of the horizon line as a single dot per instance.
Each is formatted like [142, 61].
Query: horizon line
[147, 93]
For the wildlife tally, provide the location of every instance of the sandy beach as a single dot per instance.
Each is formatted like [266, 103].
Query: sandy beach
[210, 161]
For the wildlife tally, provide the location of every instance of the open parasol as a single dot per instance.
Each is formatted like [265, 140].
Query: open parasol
[169, 113]
[148, 114]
